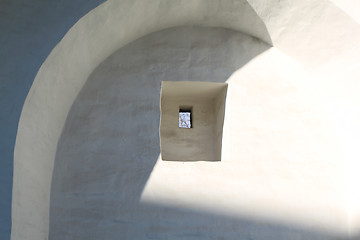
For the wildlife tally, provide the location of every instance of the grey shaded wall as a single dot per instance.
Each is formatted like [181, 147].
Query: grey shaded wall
[110, 143]
[29, 30]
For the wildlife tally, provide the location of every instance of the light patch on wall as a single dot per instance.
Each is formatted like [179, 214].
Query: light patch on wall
[281, 161]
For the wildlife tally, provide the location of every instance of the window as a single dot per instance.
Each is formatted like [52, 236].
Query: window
[185, 120]
[199, 109]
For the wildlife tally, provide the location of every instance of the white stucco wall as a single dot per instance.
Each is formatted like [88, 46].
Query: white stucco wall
[88, 43]
[110, 142]
[303, 29]
[280, 176]
[206, 100]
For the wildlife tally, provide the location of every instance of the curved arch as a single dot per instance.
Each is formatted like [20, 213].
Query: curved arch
[116, 23]
[104, 30]
[116, 116]
[99, 128]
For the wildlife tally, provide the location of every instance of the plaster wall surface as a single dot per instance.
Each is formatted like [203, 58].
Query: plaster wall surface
[29, 30]
[312, 32]
[219, 107]
[316, 33]
[194, 144]
[110, 181]
[63, 74]
[351, 7]
[201, 142]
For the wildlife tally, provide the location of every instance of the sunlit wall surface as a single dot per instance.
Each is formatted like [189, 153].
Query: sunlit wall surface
[90, 159]
[279, 175]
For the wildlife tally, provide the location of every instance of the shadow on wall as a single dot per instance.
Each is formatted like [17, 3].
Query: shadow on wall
[29, 31]
[110, 143]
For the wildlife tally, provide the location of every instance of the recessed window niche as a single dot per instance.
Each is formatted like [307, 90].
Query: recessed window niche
[192, 119]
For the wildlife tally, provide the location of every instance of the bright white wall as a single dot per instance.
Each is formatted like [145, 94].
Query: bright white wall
[281, 162]
[110, 142]
[280, 173]
[303, 29]
[351, 7]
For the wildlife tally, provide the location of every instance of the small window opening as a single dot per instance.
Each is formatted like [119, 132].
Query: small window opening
[185, 118]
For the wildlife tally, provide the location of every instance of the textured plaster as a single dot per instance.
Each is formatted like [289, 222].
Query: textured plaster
[281, 156]
[321, 37]
[201, 142]
[279, 178]
[110, 125]
[29, 30]
[62, 75]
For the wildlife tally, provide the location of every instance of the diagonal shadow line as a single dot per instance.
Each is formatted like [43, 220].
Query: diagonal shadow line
[110, 143]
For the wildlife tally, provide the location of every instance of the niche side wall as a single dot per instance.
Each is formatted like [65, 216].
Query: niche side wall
[201, 142]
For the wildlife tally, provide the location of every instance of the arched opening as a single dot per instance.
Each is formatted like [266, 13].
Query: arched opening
[62, 75]
[108, 179]
[110, 142]
[117, 23]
